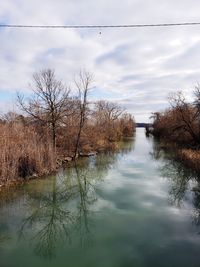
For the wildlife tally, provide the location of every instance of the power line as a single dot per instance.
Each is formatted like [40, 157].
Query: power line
[99, 26]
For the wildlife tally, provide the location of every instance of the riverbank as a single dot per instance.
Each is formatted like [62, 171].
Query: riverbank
[189, 157]
[61, 161]
[30, 148]
[180, 125]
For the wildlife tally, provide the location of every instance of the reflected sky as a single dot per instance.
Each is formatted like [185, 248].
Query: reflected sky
[135, 207]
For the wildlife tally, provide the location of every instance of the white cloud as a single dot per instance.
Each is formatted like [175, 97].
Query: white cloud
[136, 67]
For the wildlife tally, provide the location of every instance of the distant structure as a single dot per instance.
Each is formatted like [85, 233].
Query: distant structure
[143, 125]
[148, 127]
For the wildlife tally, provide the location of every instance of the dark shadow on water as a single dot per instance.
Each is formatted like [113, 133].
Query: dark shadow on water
[184, 182]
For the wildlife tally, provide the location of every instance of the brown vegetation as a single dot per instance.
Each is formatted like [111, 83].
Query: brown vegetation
[180, 124]
[56, 126]
[23, 152]
[191, 158]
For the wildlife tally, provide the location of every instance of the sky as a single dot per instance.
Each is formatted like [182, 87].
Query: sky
[137, 68]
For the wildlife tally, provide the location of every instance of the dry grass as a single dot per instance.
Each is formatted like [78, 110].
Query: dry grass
[27, 148]
[23, 153]
[191, 158]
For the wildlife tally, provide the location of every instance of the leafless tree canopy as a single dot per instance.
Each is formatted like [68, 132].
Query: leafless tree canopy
[181, 122]
[49, 102]
[109, 111]
[83, 84]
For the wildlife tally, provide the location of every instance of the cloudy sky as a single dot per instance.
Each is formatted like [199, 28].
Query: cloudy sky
[138, 68]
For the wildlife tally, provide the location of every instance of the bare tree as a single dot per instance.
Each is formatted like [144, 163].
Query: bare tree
[83, 84]
[181, 122]
[49, 100]
[107, 115]
[197, 106]
[186, 115]
[109, 111]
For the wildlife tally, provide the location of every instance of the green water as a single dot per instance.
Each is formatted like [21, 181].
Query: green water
[136, 207]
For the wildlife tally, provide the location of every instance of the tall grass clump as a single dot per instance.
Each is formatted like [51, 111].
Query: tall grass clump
[191, 158]
[24, 153]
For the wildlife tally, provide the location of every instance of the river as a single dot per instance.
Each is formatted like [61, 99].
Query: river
[136, 207]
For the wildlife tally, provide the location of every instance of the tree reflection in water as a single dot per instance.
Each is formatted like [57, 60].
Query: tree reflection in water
[184, 182]
[3, 238]
[49, 218]
[63, 211]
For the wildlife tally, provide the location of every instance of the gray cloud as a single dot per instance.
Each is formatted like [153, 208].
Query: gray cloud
[135, 67]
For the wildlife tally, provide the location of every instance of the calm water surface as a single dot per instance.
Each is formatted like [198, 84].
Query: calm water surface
[136, 207]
